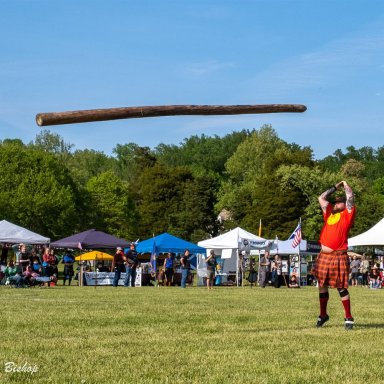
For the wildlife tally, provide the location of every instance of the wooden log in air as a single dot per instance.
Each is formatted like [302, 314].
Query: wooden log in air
[85, 116]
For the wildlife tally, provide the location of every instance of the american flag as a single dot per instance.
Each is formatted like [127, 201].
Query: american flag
[296, 236]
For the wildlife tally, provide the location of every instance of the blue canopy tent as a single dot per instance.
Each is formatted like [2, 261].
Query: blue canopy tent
[165, 243]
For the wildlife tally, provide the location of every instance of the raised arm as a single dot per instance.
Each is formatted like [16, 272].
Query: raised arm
[323, 198]
[349, 195]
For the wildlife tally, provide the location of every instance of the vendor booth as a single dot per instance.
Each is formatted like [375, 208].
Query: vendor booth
[97, 277]
[293, 259]
[228, 248]
[162, 244]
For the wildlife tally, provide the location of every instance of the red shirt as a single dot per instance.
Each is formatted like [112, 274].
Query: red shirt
[336, 228]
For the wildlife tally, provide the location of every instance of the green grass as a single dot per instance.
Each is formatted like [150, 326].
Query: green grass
[174, 335]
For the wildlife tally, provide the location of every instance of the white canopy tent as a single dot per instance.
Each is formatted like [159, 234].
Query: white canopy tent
[374, 236]
[230, 243]
[12, 233]
[237, 238]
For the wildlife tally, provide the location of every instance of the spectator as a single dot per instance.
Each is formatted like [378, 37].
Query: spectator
[4, 253]
[117, 265]
[355, 266]
[185, 266]
[13, 274]
[293, 283]
[374, 278]
[252, 277]
[68, 261]
[276, 271]
[49, 263]
[131, 263]
[169, 269]
[36, 266]
[264, 269]
[364, 270]
[211, 268]
[23, 257]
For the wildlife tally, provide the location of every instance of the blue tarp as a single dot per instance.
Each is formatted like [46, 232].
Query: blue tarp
[167, 243]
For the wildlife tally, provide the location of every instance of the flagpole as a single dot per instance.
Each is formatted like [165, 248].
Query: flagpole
[299, 257]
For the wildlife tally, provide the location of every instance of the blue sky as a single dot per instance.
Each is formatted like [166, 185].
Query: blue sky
[71, 55]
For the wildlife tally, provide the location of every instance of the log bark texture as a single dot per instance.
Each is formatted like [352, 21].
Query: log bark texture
[85, 116]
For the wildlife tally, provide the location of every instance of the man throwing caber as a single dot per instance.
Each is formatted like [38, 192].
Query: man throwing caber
[332, 264]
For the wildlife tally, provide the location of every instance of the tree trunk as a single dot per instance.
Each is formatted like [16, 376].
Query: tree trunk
[84, 116]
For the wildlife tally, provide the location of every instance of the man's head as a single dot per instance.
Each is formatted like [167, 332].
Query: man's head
[132, 246]
[339, 204]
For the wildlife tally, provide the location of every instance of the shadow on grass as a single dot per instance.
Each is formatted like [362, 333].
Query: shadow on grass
[369, 326]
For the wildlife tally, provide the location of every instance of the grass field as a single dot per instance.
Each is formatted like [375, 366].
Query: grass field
[174, 335]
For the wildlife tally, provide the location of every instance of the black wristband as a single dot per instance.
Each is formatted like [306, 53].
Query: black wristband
[332, 189]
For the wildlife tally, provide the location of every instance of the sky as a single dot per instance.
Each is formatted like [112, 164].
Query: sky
[89, 54]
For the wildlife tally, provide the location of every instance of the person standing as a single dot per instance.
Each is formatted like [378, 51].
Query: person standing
[185, 265]
[364, 269]
[332, 264]
[4, 253]
[264, 269]
[355, 266]
[168, 268]
[276, 271]
[211, 268]
[131, 262]
[117, 265]
[68, 261]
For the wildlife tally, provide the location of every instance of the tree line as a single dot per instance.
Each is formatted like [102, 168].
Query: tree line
[252, 175]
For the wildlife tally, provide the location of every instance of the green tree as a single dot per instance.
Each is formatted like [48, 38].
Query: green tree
[110, 206]
[37, 191]
[252, 191]
[132, 160]
[172, 200]
[202, 154]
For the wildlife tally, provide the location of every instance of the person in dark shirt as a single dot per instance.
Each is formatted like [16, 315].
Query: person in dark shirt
[117, 265]
[185, 266]
[131, 262]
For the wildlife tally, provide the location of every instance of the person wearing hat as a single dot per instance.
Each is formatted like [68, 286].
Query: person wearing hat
[131, 262]
[211, 268]
[117, 265]
[332, 264]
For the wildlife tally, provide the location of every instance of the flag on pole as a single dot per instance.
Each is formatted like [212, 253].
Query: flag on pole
[296, 236]
[154, 258]
[260, 228]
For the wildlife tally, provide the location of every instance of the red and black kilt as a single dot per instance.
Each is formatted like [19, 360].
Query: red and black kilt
[332, 269]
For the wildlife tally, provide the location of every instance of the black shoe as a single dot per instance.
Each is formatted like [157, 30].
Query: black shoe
[321, 320]
[349, 323]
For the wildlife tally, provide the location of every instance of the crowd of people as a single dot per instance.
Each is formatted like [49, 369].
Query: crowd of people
[39, 265]
[35, 265]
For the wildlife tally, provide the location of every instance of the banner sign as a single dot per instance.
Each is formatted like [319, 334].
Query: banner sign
[106, 278]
